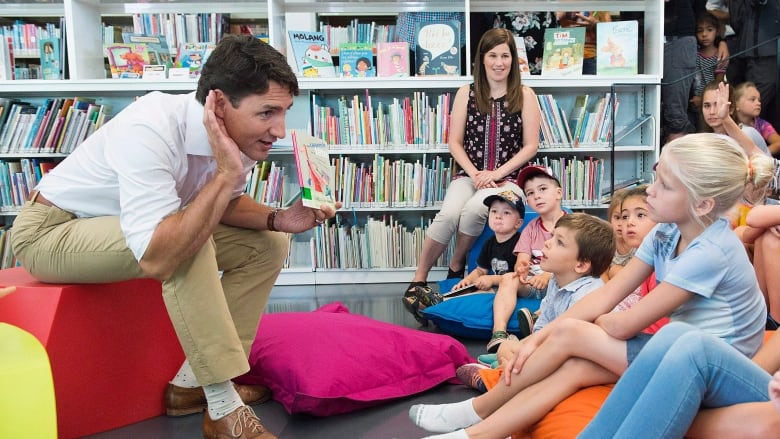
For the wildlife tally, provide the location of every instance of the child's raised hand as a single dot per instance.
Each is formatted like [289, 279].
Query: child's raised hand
[722, 102]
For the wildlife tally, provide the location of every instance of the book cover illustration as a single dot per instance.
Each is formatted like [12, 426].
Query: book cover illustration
[522, 55]
[156, 46]
[563, 51]
[49, 49]
[315, 175]
[355, 60]
[193, 55]
[438, 48]
[312, 54]
[127, 60]
[617, 44]
[392, 59]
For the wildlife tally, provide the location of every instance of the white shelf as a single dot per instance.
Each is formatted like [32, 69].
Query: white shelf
[301, 276]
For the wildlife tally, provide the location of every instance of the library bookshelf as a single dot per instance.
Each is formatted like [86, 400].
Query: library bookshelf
[629, 154]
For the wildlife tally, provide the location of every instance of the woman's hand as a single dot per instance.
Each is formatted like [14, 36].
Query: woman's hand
[484, 179]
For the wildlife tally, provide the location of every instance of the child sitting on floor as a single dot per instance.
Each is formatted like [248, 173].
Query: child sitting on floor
[505, 216]
[543, 194]
[623, 251]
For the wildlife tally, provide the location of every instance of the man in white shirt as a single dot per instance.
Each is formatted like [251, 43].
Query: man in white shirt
[158, 192]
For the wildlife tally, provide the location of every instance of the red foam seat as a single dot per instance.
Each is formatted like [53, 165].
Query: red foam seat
[112, 347]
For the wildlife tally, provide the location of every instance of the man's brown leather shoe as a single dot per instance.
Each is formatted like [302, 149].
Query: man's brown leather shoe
[183, 401]
[241, 423]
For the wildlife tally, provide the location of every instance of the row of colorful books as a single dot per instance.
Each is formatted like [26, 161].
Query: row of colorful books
[31, 51]
[57, 125]
[139, 53]
[380, 243]
[180, 28]
[17, 179]
[588, 123]
[419, 119]
[266, 183]
[581, 178]
[617, 44]
[437, 53]
[357, 32]
[390, 183]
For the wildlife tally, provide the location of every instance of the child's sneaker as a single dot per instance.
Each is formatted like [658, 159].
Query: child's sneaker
[468, 374]
[496, 339]
[427, 297]
[489, 360]
[412, 303]
[525, 321]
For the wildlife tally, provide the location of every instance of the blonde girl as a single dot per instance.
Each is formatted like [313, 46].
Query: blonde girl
[747, 107]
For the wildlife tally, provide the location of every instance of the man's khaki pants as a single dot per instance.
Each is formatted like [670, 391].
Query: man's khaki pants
[215, 320]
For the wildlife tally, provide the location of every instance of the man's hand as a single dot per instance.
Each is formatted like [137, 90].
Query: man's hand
[299, 218]
[226, 152]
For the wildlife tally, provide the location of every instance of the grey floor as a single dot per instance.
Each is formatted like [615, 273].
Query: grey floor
[387, 421]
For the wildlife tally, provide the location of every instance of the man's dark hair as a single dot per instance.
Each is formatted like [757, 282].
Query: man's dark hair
[242, 65]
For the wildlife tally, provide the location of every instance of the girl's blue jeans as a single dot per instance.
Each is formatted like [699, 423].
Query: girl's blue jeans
[680, 370]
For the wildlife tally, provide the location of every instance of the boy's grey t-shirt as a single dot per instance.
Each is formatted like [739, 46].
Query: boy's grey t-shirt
[559, 299]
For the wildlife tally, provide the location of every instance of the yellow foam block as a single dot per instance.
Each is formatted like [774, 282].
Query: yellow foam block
[27, 408]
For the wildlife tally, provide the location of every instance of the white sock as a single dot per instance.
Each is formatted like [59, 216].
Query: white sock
[222, 399]
[185, 377]
[457, 434]
[444, 418]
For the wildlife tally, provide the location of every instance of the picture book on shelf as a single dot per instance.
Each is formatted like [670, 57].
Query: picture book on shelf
[356, 60]
[312, 54]
[156, 46]
[617, 45]
[392, 59]
[49, 49]
[438, 48]
[315, 175]
[563, 51]
[522, 55]
[127, 60]
[193, 55]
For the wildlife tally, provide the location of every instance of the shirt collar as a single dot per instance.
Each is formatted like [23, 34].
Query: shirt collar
[196, 141]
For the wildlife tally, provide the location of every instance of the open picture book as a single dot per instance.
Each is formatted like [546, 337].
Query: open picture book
[315, 174]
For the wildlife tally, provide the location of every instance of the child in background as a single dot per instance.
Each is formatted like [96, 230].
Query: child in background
[704, 276]
[623, 252]
[505, 216]
[747, 107]
[543, 194]
[496, 258]
[709, 31]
